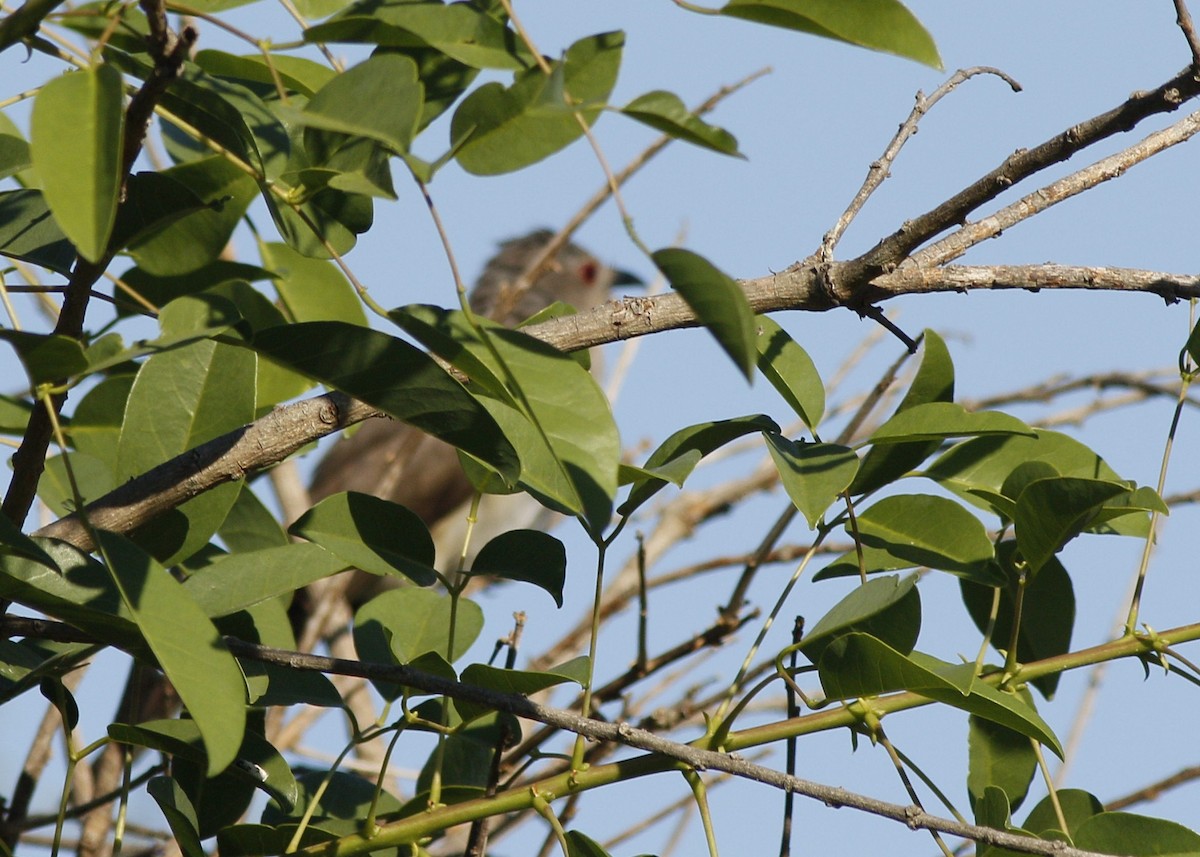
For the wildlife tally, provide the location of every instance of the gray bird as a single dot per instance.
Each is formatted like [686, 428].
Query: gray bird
[396, 462]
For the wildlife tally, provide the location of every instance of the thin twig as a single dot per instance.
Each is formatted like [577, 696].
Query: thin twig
[881, 169]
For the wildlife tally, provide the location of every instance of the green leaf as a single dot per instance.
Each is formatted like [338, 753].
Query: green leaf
[888, 608]
[573, 415]
[527, 555]
[717, 300]
[880, 25]
[374, 535]
[930, 531]
[556, 415]
[1000, 758]
[28, 232]
[46, 356]
[498, 130]
[380, 98]
[400, 625]
[241, 579]
[859, 665]
[986, 463]
[874, 560]
[16, 543]
[81, 594]
[187, 645]
[941, 420]
[1192, 347]
[14, 151]
[523, 682]
[791, 371]
[180, 399]
[666, 112]
[185, 245]
[395, 377]
[579, 845]
[298, 74]
[460, 31]
[75, 141]
[1047, 611]
[813, 474]
[312, 289]
[1051, 512]
[702, 438]
[153, 202]
[1136, 836]
[329, 217]
[934, 382]
[1077, 806]
[178, 811]
[251, 526]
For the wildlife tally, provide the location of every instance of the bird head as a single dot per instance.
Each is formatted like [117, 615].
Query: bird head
[573, 276]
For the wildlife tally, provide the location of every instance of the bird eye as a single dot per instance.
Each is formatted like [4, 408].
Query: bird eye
[588, 271]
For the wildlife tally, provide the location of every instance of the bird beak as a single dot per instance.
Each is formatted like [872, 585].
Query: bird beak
[625, 278]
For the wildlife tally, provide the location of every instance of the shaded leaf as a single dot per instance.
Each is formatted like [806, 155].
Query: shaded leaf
[28, 232]
[1047, 611]
[1051, 512]
[998, 757]
[187, 645]
[460, 31]
[395, 377]
[46, 356]
[178, 811]
[372, 534]
[528, 555]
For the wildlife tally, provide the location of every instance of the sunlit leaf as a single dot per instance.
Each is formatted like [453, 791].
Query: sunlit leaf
[717, 300]
[881, 25]
[791, 371]
[703, 438]
[75, 142]
[666, 112]
[813, 474]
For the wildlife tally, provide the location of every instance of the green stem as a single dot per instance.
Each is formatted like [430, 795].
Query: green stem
[1144, 565]
[593, 646]
[700, 792]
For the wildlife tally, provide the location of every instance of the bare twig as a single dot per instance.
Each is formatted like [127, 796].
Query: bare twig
[1184, 19]
[955, 245]
[880, 169]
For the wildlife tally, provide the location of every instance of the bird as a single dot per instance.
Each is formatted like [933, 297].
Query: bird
[397, 462]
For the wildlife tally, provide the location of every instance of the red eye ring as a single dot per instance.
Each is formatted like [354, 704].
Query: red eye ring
[588, 272]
